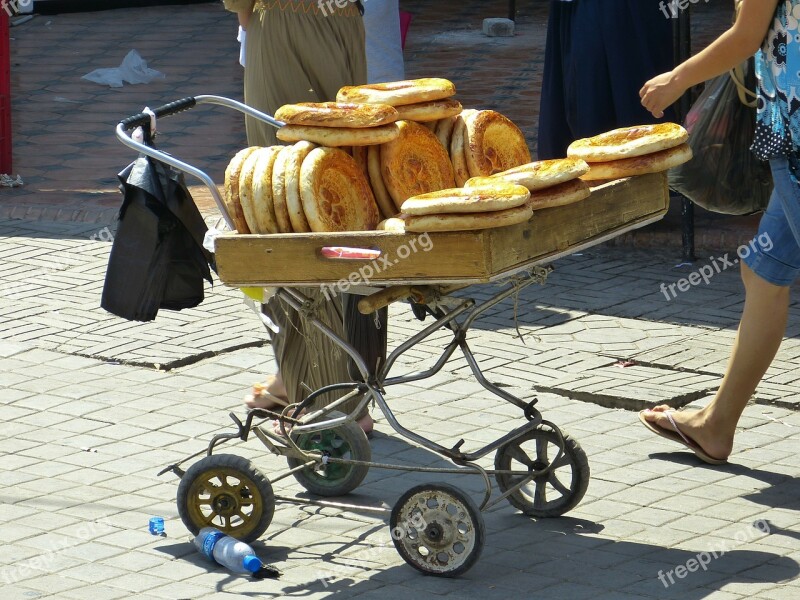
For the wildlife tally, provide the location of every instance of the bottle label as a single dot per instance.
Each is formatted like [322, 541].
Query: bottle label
[210, 542]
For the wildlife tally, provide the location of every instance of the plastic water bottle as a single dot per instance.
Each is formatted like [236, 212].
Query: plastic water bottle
[237, 556]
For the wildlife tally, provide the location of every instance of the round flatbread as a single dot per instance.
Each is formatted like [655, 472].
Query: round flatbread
[540, 174]
[458, 148]
[493, 144]
[560, 195]
[338, 136]
[279, 190]
[246, 186]
[360, 154]
[337, 114]
[292, 174]
[382, 197]
[487, 198]
[398, 93]
[467, 221]
[628, 142]
[394, 224]
[415, 163]
[444, 131]
[639, 165]
[430, 111]
[231, 196]
[336, 196]
[261, 218]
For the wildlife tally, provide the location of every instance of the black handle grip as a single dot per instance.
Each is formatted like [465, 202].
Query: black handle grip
[143, 119]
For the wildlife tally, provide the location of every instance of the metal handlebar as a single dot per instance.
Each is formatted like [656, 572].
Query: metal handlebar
[143, 120]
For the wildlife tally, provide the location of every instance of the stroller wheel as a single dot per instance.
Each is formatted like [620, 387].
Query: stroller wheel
[226, 492]
[438, 530]
[346, 442]
[556, 491]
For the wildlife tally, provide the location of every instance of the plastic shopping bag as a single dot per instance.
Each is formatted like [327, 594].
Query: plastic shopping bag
[724, 176]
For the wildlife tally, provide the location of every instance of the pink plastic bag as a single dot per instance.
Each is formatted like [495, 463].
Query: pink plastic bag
[405, 23]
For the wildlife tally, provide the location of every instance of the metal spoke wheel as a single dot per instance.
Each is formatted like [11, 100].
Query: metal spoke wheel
[347, 442]
[557, 491]
[226, 492]
[438, 530]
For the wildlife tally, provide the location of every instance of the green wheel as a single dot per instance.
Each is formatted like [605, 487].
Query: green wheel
[348, 442]
[228, 493]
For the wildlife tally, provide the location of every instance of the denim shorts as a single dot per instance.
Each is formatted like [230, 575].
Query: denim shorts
[774, 254]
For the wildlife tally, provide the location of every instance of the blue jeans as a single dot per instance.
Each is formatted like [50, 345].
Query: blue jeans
[775, 252]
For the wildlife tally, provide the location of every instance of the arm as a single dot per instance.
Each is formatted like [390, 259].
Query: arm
[734, 46]
[243, 9]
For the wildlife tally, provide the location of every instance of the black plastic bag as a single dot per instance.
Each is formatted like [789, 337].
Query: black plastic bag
[157, 259]
[724, 176]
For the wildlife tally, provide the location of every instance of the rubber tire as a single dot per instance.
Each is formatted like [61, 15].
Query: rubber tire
[236, 466]
[360, 449]
[580, 474]
[474, 512]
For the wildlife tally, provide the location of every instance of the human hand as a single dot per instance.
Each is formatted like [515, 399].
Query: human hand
[661, 92]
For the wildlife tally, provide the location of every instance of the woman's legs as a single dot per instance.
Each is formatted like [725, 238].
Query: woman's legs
[760, 334]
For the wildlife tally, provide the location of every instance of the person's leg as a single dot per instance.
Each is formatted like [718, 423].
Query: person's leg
[757, 341]
[554, 135]
[770, 265]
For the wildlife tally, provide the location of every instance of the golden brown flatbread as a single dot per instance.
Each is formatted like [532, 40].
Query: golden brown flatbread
[628, 142]
[430, 111]
[382, 198]
[444, 131]
[337, 114]
[560, 195]
[338, 136]
[493, 144]
[639, 165]
[292, 174]
[487, 198]
[458, 148]
[394, 224]
[336, 196]
[231, 196]
[261, 218]
[467, 221]
[360, 154]
[279, 190]
[415, 163]
[540, 174]
[398, 93]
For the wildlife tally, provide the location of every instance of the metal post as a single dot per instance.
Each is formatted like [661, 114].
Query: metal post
[5, 94]
[683, 50]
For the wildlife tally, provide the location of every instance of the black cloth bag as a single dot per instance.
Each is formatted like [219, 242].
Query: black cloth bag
[157, 259]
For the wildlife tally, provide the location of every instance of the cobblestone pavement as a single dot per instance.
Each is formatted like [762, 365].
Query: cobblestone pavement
[87, 422]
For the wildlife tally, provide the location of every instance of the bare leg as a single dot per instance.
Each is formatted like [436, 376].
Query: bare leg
[760, 335]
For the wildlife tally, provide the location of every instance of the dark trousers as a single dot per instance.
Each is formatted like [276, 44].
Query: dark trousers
[599, 54]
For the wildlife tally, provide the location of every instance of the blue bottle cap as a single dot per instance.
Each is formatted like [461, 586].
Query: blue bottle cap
[252, 563]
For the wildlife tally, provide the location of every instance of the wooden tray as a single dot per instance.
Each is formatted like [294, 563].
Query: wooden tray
[467, 257]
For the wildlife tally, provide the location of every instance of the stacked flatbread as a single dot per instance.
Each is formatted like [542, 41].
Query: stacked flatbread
[337, 124]
[421, 100]
[632, 151]
[482, 143]
[486, 205]
[298, 189]
[551, 182]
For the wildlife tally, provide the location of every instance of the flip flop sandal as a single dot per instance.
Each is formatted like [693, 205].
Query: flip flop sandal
[678, 436]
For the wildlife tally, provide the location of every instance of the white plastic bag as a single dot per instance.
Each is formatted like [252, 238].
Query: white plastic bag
[132, 70]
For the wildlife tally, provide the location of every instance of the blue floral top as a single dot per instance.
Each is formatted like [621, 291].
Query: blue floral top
[778, 73]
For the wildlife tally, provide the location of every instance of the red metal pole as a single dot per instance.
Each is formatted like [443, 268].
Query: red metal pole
[5, 94]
